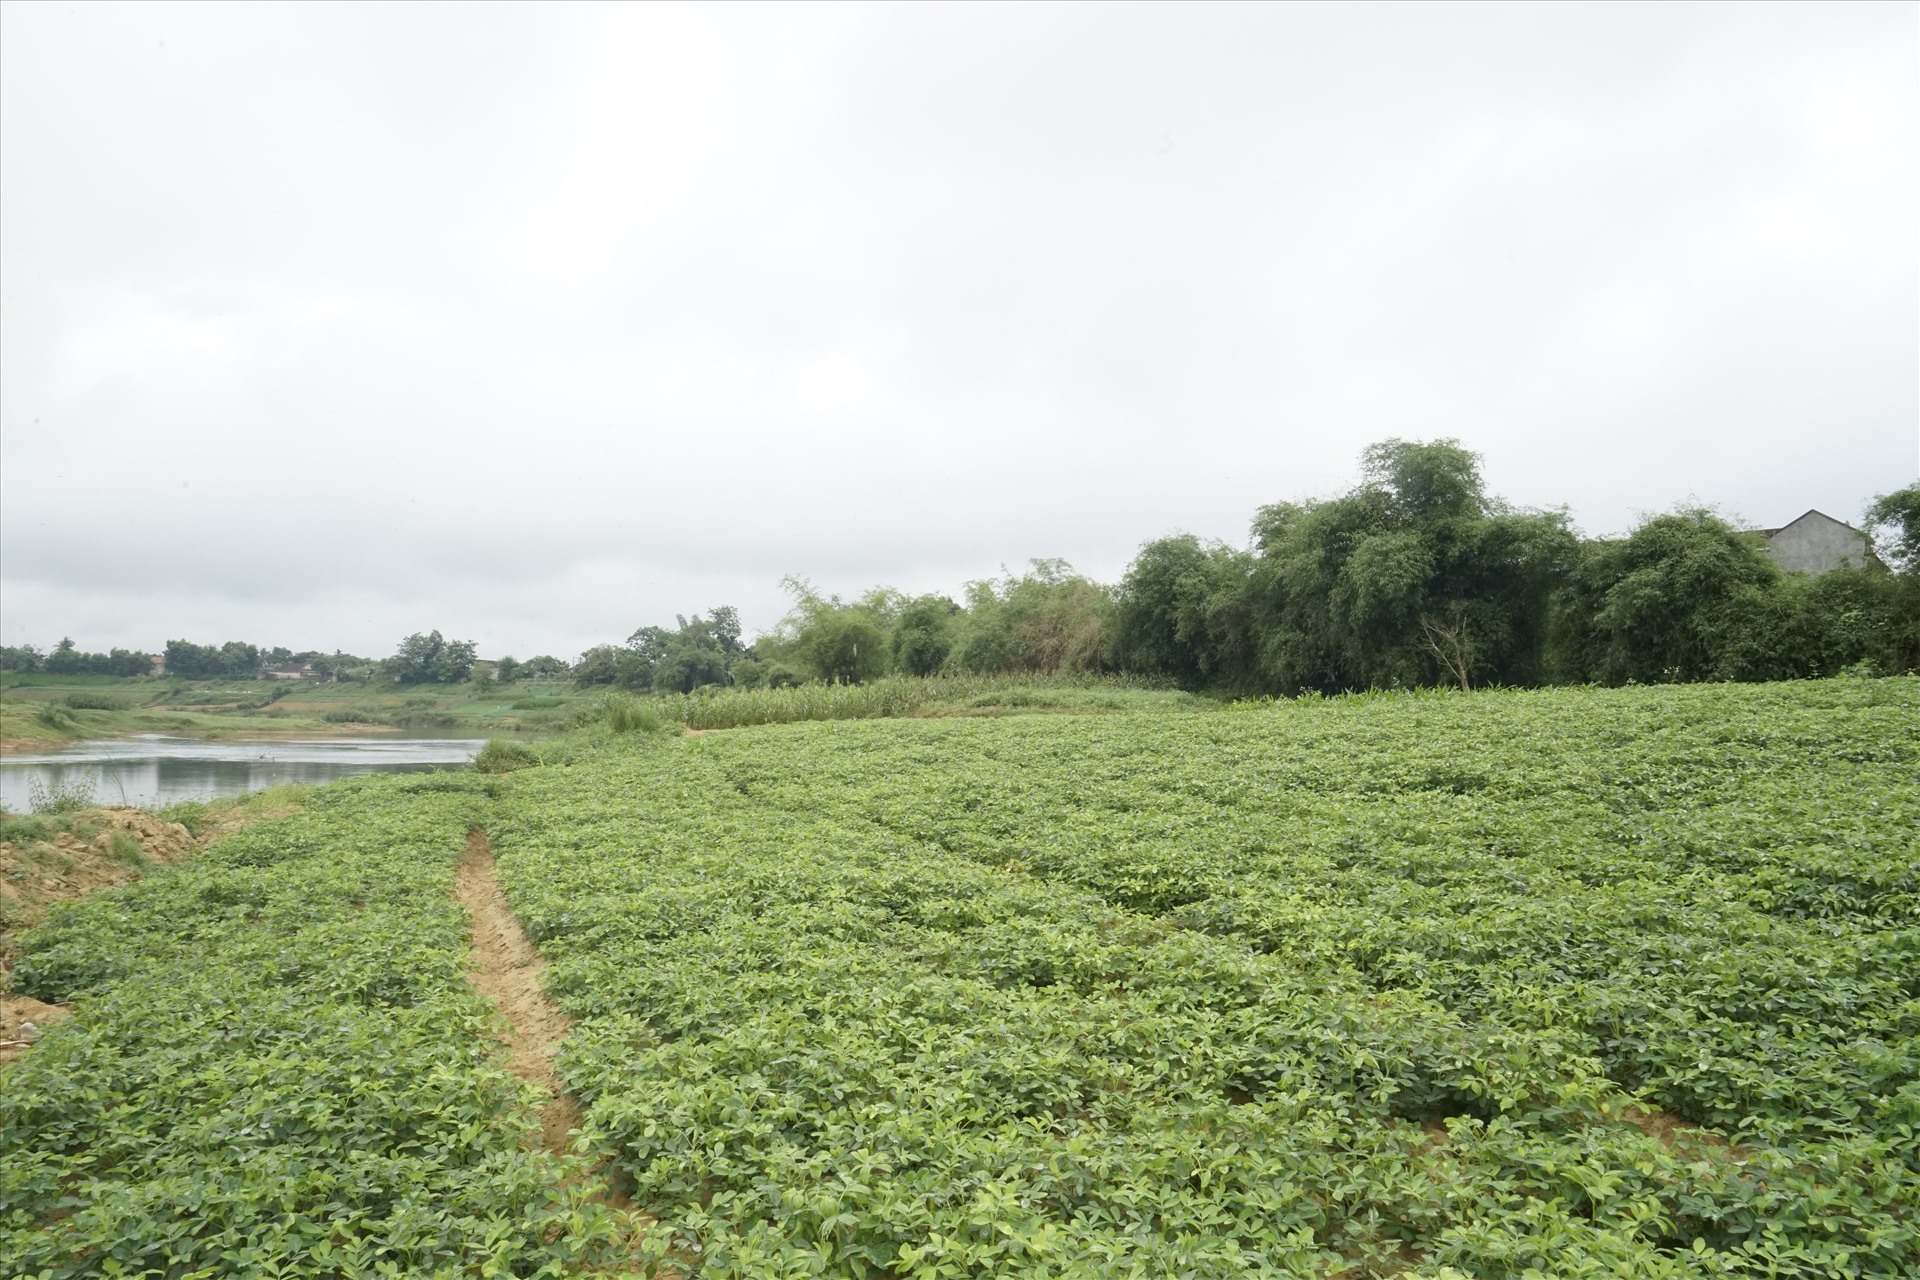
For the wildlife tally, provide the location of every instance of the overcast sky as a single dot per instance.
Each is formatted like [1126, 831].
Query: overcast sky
[323, 324]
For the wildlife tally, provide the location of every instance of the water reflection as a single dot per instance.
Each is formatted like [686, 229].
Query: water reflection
[152, 770]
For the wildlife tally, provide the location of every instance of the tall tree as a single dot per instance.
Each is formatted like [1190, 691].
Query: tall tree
[1047, 620]
[1180, 612]
[430, 658]
[1685, 596]
[923, 635]
[1415, 577]
[832, 640]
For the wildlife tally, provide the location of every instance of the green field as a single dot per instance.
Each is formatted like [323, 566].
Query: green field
[1572, 982]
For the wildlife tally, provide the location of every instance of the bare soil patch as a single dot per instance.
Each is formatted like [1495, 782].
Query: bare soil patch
[96, 850]
[506, 969]
[69, 863]
[1671, 1129]
[21, 1019]
[28, 745]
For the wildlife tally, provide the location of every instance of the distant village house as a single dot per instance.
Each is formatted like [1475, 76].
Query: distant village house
[291, 671]
[156, 665]
[1817, 543]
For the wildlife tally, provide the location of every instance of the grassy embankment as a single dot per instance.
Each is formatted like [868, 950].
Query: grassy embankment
[70, 849]
[1502, 985]
[39, 711]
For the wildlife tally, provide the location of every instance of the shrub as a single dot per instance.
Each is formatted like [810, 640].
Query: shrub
[500, 756]
[94, 702]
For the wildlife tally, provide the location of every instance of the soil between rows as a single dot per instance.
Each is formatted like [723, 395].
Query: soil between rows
[506, 969]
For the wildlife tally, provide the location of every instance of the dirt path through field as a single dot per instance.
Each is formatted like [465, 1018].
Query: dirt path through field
[506, 970]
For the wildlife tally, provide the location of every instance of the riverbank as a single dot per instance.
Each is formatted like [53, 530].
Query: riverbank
[42, 712]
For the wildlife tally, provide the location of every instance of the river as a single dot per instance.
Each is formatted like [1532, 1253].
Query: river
[152, 770]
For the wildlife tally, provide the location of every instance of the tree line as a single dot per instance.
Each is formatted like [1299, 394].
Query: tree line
[421, 658]
[1415, 577]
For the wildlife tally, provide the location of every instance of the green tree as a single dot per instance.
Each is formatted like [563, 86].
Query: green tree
[1181, 611]
[1846, 617]
[126, 662]
[507, 670]
[431, 659]
[23, 657]
[1045, 621]
[598, 665]
[752, 672]
[723, 625]
[1415, 577]
[834, 641]
[700, 651]
[1895, 520]
[689, 659]
[240, 660]
[192, 661]
[66, 658]
[1685, 596]
[923, 635]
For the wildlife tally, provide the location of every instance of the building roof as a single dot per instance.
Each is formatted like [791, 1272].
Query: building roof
[1810, 511]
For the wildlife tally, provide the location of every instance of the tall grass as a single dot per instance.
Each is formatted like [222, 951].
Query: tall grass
[718, 708]
[58, 718]
[625, 714]
[500, 756]
[61, 797]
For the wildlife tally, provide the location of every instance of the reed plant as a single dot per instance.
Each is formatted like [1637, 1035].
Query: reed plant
[713, 707]
[61, 797]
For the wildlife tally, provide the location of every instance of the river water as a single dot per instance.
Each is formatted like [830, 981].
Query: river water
[152, 770]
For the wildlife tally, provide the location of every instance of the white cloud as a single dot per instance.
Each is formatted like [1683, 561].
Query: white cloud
[326, 324]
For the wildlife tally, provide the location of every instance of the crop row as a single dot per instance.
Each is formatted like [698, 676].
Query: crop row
[1341, 988]
[1728, 874]
[276, 1068]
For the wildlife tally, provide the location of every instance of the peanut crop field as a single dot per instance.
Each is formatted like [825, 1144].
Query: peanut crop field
[1562, 983]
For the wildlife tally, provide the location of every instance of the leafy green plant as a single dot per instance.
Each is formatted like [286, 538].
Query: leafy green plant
[1502, 985]
[1576, 982]
[277, 1068]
